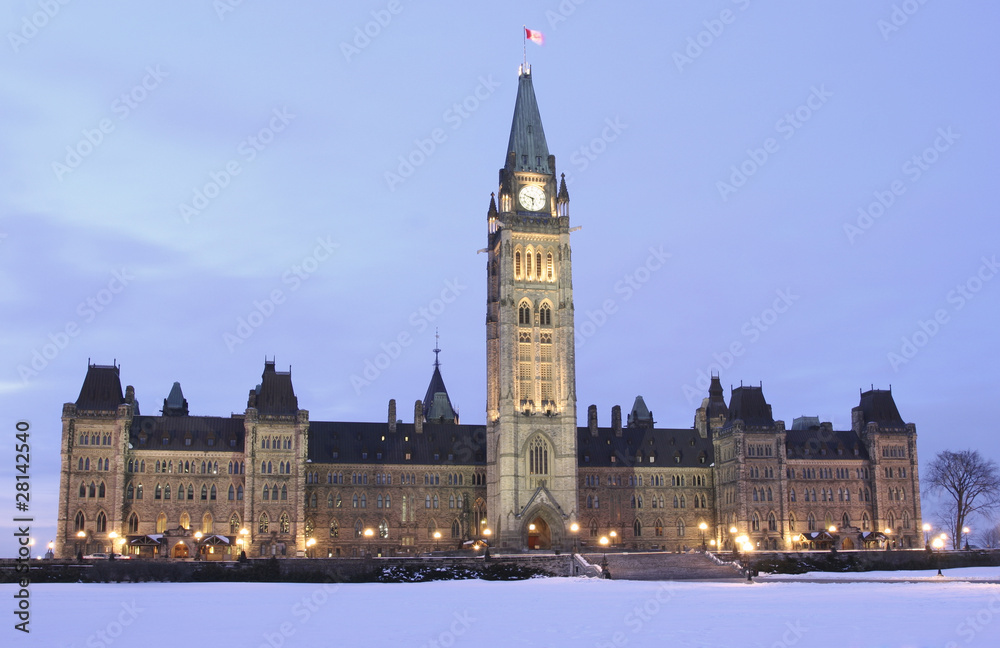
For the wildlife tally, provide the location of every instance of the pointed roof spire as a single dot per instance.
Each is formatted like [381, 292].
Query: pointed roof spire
[437, 350]
[527, 138]
[493, 205]
[563, 193]
[175, 404]
[436, 404]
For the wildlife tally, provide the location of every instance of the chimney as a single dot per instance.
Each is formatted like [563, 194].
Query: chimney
[592, 420]
[418, 417]
[616, 420]
[392, 415]
[129, 394]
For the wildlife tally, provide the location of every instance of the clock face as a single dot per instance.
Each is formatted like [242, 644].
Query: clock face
[532, 198]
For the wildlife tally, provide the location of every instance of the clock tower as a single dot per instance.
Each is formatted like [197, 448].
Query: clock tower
[531, 376]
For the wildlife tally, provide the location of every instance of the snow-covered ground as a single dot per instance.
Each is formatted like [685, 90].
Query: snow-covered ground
[543, 612]
[964, 573]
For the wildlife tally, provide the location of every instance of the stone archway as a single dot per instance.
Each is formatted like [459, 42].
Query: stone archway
[181, 550]
[539, 534]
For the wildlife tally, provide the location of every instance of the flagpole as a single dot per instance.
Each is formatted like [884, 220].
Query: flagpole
[524, 47]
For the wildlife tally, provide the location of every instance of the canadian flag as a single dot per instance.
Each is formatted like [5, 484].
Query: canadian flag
[534, 36]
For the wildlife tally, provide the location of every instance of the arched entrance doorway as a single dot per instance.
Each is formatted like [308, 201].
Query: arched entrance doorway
[539, 534]
[181, 550]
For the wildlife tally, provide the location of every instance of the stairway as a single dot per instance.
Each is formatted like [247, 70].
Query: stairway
[664, 566]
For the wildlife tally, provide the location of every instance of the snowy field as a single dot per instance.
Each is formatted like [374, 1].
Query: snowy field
[963, 573]
[543, 612]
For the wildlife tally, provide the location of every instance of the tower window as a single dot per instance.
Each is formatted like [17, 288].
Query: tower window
[549, 270]
[524, 314]
[545, 315]
[517, 264]
[538, 266]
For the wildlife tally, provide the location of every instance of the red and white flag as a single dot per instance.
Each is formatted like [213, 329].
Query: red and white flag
[534, 36]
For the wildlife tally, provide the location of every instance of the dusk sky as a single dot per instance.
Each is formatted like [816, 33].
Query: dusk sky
[792, 194]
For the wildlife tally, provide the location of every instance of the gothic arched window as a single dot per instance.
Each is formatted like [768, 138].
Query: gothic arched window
[545, 315]
[524, 314]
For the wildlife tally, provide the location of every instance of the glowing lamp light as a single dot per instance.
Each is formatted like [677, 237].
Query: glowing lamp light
[310, 542]
[486, 532]
[574, 527]
[938, 543]
[733, 529]
[966, 530]
[833, 529]
[531, 527]
[604, 541]
[927, 527]
[888, 531]
[702, 526]
[81, 534]
[437, 535]
[369, 533]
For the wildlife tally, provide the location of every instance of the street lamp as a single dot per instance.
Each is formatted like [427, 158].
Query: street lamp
[965, 532]
[244, 542]
[49, 553]
[604, 561]
[486, 539]
[112, 537]
[927, 530]
[703, 527]
[369, 533]
[310, 543]
[574, 528]
[888, 538]
[732, 532]
[613, 535]
[437, 539]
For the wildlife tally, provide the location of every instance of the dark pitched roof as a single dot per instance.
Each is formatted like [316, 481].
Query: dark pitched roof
[717, 400]
[527, 139]
[819, 443]
[877, 406]
[749, 405]
[668, 448]
[102, 389]
[640, 414]
[437, 404]
[805, 423]
[275, 394]
[175, 404]
[204, 433]
[440, 444]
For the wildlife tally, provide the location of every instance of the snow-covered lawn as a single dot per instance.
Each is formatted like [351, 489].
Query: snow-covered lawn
[963, 573]
[542, 612]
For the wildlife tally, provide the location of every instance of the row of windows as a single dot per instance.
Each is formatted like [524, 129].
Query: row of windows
[827, 473]
[164, 466]
[894, 472]
[97, 438]
[381, 501]
[826, 495]
[94, 490]
[677, 457]
[530, 266]
[524, 315]
[272, 492]
[759, 450]
[284, 468]
[83, 463]
[755, 472]
[276, 443]
[656, 501]
[894, 451]
[632, 481]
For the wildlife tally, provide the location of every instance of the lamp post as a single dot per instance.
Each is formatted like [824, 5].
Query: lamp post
[112, 537]
[198, 535]
[965, 532]
[81, 536]
[605, 572]
[703, 527]
[927, 531]
[614, 536]
[310, 543]
[369, 533]
[486, 539]
[49, 553]
[938, 543]
[732, 538]
[574, 528]
[243, 541]
[888, 539]
[437, 540]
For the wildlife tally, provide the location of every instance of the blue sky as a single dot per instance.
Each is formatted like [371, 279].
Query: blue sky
[806, 185]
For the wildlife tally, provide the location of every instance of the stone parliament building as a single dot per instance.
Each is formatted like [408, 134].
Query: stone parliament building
[273, 482]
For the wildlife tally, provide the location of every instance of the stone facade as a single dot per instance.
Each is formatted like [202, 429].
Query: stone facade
[273, 482]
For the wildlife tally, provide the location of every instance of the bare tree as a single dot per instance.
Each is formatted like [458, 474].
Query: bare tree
[971, 482]
[990, 537]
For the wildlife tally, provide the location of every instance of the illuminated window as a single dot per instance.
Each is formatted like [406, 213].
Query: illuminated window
[263, 523]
